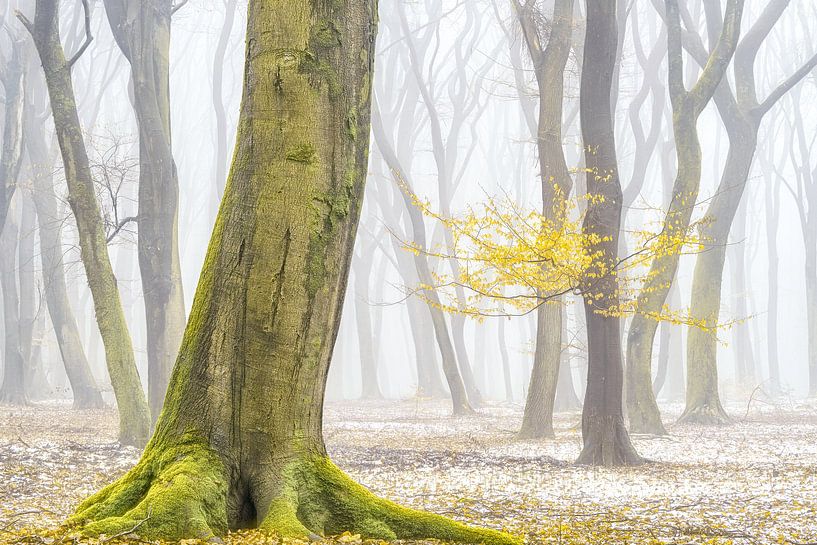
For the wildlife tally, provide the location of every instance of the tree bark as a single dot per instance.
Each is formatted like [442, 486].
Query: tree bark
[642, 408]
[141, 29]
[26, 274]
[87, 394]
[134, 418]
[549, 66]
[239, 441]
[606, 441]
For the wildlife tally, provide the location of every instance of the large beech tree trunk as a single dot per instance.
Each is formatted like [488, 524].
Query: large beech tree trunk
[13, 80]
[239, 440]
[87, 394]
[142, 31]
[134, 418]
[606, 441]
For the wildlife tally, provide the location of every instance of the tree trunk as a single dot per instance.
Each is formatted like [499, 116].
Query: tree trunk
[537, 420]
[606, 441]
[506, 364]
[13, 79]
[642, 408]
[566, 397]
[218, 99]
[370, 387]
[549, 66]
[87, 394]
[811, 309]
[239, 441]
[772, 212]
[459, 397]
[142, 31]
[12, 390]
[703, 403]
[28, 303]
[134, 418]
[744, 353]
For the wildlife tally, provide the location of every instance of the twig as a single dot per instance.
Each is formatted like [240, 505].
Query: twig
[126, 532]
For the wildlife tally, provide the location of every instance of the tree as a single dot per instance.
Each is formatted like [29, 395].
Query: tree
[87, 394]
[13, 79]
[12, 390]
[134, 418]
[742, 113]
[606, 441]
[549, 63]
[239, 440]
[461, 404]
[141, 29]
[687, 106]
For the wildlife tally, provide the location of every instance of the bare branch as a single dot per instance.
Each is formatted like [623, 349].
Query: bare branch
[178, 6]
[88, 36]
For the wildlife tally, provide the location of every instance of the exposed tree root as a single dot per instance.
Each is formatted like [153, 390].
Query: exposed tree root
[183, 493]
[709, 415]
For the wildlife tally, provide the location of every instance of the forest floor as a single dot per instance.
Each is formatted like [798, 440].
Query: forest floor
[752, 482]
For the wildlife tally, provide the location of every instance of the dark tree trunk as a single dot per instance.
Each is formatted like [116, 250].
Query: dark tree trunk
[606, 441]
[239, 442]
[142, 31]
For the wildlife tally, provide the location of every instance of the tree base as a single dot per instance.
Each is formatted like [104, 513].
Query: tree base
[10, 397]
[183, 492]
[532, 433]
[708, 415]
[89, 401]
[607, 443]
[647, 423]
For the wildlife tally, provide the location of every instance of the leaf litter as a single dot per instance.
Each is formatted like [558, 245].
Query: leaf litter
[751, 482]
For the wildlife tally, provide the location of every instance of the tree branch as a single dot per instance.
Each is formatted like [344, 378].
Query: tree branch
[121, 225]
[178, 6]
[88, 36]
[786, 86]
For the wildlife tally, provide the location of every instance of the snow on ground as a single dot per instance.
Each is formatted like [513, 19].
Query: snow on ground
[753, 482]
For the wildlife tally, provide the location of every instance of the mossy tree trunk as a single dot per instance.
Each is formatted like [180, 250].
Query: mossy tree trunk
[134, 418]
[87, 394]
[606, 441]
[142, 31]
[239, 441]
[549, 63]
[642, 408]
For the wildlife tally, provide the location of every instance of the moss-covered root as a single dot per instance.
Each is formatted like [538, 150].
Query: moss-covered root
[708, 415]
[319, 499]
[180, 492]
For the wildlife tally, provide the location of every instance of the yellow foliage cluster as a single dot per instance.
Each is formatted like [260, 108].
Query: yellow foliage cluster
[511, 259]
